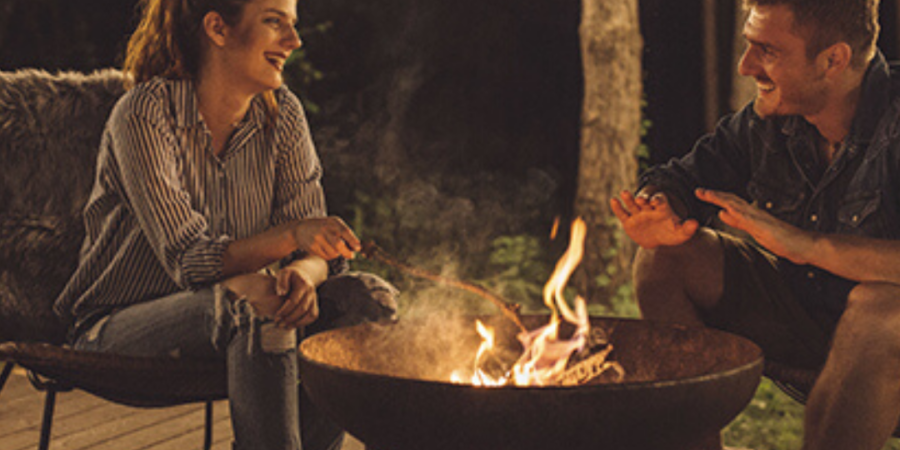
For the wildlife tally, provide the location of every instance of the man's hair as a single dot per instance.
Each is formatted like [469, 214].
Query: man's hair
[827, 22]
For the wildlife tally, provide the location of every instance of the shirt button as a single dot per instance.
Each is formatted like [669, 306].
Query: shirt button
[769, 205]
[813, 218]
[855, 218]
[810, 275]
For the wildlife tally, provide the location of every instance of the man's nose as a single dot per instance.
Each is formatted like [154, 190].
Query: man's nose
[747, 66]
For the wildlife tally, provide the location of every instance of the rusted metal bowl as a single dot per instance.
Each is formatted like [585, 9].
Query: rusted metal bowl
[386, 385]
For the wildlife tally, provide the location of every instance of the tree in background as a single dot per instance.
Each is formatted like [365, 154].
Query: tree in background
[611, 47]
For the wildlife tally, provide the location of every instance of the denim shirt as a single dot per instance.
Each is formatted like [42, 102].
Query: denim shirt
[774, 164]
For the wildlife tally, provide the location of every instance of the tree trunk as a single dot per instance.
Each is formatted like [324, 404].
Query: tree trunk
[710, 64]
[611, 47]
[743, 89]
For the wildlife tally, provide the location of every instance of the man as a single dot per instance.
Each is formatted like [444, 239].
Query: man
[810, 173]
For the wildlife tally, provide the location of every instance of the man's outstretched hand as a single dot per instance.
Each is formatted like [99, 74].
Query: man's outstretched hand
[650, 221]
[777, 236]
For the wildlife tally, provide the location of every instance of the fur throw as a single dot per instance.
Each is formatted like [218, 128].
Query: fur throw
[50, 129]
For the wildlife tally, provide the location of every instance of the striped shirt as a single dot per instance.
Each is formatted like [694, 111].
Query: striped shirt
[164, 207]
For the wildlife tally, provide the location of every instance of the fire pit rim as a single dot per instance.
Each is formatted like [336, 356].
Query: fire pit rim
[757, 360]
[698, 379]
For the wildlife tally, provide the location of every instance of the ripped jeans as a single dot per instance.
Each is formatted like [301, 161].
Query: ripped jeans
[269, 409]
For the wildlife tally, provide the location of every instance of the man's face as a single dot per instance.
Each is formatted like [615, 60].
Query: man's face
[788, 83]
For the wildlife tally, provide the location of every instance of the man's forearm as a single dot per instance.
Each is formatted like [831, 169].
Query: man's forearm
[857, 258]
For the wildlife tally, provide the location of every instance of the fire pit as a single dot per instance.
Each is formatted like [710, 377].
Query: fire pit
[389, 386]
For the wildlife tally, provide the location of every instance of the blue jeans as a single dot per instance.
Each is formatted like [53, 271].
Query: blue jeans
[269, 410]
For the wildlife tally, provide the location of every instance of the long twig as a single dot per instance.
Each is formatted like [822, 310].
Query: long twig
[510, 310]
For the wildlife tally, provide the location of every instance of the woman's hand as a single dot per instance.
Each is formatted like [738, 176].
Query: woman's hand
[259, 290]
[301, 303]
[326, 237]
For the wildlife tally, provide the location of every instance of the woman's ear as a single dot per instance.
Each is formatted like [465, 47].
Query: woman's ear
[215, 28]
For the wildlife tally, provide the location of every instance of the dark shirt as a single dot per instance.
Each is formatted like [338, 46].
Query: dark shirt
[774, 164]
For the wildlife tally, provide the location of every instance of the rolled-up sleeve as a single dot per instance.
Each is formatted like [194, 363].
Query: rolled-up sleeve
[298, 187]
[298, 174]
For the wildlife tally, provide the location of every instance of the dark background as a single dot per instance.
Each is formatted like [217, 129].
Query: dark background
[464, 112]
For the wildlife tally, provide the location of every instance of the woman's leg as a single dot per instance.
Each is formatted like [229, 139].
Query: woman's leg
[262, 384]
[344, 300]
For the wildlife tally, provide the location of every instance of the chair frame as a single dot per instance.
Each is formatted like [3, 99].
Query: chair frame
[145, 382]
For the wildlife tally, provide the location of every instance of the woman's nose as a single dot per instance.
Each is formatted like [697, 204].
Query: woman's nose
[293, 39]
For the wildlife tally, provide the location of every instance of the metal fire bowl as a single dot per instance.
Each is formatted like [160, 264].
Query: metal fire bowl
[385, 384]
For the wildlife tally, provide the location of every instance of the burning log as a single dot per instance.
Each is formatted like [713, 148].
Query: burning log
[510, 310]
[592, 368]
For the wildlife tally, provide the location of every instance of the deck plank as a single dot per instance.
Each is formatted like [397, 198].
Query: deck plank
[85, 422]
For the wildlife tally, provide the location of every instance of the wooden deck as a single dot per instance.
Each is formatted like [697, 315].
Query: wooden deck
[83, 421]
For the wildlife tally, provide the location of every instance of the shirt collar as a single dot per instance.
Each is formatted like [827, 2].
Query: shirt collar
[187, 112]
[872, 103]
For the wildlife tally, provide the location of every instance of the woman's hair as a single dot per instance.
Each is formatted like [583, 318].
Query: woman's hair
[827, 22]
[168, 41]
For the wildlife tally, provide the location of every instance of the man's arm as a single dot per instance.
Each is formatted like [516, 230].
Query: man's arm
[855, 258]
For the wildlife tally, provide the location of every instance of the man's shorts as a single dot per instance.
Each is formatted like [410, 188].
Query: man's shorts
[757, 303]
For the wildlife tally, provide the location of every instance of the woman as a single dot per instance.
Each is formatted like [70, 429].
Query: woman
[207, 175]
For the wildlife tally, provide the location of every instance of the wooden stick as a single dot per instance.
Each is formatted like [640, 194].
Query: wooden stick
[510, 310]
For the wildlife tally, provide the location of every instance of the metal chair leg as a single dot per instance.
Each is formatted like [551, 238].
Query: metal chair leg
[208, 431]
[7, 370]
[47, 423]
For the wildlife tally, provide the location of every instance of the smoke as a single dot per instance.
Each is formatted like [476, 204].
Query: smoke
[445, 127]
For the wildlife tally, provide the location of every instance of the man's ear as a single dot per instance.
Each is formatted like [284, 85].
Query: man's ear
[837, 57]
[215, 28]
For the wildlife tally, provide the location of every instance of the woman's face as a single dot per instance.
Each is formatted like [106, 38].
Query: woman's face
[257, 47]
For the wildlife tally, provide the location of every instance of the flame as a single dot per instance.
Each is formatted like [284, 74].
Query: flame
[479, 376]
[545, 355]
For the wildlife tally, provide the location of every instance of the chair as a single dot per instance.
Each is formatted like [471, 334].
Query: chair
[50, 129]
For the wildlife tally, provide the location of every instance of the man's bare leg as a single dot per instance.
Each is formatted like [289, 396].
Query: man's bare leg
[855, 404]
[671, 283]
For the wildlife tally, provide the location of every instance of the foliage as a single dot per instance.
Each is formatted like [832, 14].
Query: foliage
[772, 421]
[300, 73]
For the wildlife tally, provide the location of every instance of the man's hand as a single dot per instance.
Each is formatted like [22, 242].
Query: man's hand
[301, 304]
[777, 236]
[326, 237]
[651, 222]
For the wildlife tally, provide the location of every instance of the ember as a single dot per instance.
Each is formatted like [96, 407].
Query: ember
[548, 359]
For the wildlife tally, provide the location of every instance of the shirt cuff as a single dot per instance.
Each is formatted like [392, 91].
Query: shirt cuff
[202, 264]
[336, 266]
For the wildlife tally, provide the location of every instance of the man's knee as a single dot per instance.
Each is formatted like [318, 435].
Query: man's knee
[873, 313]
